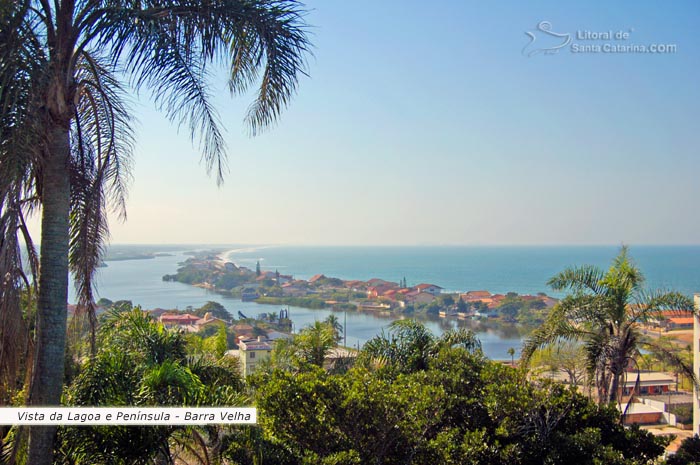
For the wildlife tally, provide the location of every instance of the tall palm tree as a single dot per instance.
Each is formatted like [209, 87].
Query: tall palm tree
[511, 352]
[605, 311]
[67, 135]
[334, 323]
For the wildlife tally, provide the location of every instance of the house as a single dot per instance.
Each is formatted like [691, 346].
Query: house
[355, 285]
[374, 282]
[265, 275]
[676, 322]
[208, 320]
[377, 291]
[316, 277]
[294, 289]
[171, 320]
[650, 383]
[478, 296]
[252, 352]
[429, 288]
[390, 294]
[642, 414]
[243, 330]
[418, 297]
[660, 319]
[473, 296]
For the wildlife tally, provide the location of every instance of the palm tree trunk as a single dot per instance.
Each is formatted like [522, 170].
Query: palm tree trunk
[617, 372]
[49, 360]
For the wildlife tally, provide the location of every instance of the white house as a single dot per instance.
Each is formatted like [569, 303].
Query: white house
[429, 288]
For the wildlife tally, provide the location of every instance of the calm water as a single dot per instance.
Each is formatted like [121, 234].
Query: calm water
[497, 269]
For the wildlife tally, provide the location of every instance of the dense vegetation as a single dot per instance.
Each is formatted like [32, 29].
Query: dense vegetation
[408, 398]
[415, 398]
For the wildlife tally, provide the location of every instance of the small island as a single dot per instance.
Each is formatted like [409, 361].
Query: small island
[209, 271]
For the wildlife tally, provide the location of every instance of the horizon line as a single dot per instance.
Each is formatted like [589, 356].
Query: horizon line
[242, 244]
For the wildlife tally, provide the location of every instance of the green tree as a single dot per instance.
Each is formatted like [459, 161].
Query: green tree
[67, 134]
[314, 342]
[216, 309]
[605, 310]
[510, 310]
[480, 306]
[218, 343]
[459, 408]
[104, 302]
[567, 357]
[461, 305]
[511, 352]
[334, 323]
[688, 453]
[409, 346]
[141, 363]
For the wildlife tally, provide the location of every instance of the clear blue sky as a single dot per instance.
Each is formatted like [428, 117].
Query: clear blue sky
[424, 123]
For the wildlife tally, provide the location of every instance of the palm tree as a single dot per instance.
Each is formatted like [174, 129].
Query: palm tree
[314, 342]
[334, 323]
[511, 352]
[605, 311]
[67, 136]
[409, 346]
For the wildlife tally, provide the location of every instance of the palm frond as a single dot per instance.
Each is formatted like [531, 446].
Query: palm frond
[461, 337]
[20, 70]
[102, 145]
[558, 327]
[650, 305]
[13, 326]
[671, 356]
[579, 279]
[168, 46]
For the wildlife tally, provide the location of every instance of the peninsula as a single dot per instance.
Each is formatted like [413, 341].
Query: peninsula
[209, 271]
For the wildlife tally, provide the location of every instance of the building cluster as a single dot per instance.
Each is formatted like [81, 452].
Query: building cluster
[254, 343]
[188, 322]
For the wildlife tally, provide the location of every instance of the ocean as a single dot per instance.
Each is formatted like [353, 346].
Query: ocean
[524, 270]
